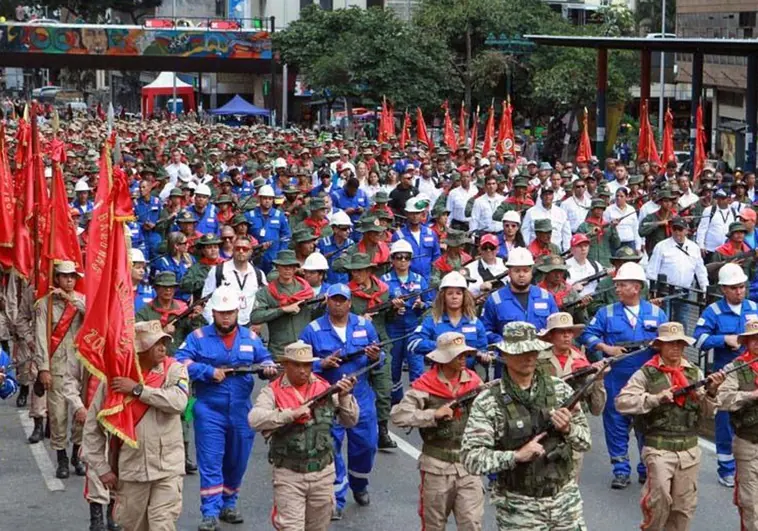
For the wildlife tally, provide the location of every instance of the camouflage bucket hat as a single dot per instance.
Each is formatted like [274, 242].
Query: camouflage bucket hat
[381, 197]
[303, 235]
[736, 227]
[543, 225]
[439, 210]
[286, 258]
[185, 216]
[358, 261]
[455, 238]
[176, 192]
[519, 338]
[598, 203]
[370, 224]
[317, 203]
[166, 279]
[208, 239]
[239, 219]
[223, 199]
[552, 263]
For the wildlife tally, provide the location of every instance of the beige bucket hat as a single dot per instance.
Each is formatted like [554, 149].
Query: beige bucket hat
[299, 351]
[560, 321]
[670, 332]
[147, 334]
[450, 345]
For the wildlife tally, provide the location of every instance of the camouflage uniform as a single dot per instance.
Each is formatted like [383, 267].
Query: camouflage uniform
[484, 436]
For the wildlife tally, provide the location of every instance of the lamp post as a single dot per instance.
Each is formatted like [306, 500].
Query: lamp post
[663, 66]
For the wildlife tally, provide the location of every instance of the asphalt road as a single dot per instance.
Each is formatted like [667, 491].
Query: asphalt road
[32, 499]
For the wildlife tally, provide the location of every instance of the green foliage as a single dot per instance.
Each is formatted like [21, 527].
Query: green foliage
[366, 54]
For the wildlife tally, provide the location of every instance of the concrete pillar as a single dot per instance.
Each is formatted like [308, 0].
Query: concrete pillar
[715, 110]
[751, 109]
[258, 99]
[602, 85]
[697, 90]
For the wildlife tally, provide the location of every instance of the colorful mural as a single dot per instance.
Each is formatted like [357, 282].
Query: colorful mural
[134, 41]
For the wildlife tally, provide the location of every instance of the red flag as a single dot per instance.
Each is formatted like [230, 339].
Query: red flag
[383, 122]
[405, 134]
[23, 255]
[475, 130]
[60, 242]
[7, 206]
[489, 131]
[390, 132]
[462, 126]
[646, 148]
[505, 131]
[100, 112]
[106, 338]
[668, 138]
[448, 131]
[421, 132]
[700, 154]
[584, 149]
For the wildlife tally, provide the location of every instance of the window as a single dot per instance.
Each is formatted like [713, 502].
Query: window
[375, 3]
[747, 19]
[305, 3]
[747, 33]
[326, 5]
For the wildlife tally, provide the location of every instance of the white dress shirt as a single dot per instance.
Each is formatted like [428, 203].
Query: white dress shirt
[456, 202]
[650, 207]
[481, 214]
[427, 187]
[495, 269]
[579, 271]
[614, 185]
[246, 284]
[680, 263]
[561, 235]
[687, 200]
[576, 210]
[627, 227]
[173, 171]
[711, 232]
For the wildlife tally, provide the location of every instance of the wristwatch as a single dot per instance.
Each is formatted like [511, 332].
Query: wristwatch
[137, 390]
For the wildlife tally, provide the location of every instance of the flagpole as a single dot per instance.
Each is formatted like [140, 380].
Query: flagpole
[51, 241]
[35, 199]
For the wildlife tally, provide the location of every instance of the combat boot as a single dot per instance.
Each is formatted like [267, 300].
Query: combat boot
[79, 468]
[189, 467]
[62, 472]
[112, 525]
[23, 393]
[39, 431]
[385, 441]
[96, 517]
[47, 428]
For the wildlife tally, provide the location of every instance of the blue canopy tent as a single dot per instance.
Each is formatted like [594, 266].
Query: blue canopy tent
[239, 106]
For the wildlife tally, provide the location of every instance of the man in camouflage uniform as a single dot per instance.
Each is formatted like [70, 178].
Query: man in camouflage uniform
[535, 488]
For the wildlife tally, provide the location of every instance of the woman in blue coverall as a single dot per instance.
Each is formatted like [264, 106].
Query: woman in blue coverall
[177, 260]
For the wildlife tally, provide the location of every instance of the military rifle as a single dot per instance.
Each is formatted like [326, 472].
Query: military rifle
[595, 276]
[256, 368]
[338, 251]
[677, 294]
[701, 383]
[387, 305]
[584, 371]
[471, 395]
[713, 267]
[352, 355]
[571, 304]
[186, 313]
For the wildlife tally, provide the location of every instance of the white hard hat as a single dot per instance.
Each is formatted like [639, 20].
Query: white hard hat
[414, 204]
[315, 262]
[280, 163]
[191, 185]
[225, 299]
[731, 274]
[520, 257]
[631, 271]
[184, 174]
[341, 219]
[136, 255]
[454, 280]
[81, 186]
[203, 189]
[266, 191]
[401, 246]
[512, 217]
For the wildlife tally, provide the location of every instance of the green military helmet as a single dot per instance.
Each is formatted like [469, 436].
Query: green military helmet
[520, 337]
[286, 257]
[303, 235]
[208, 239]
[737, 226]
[543, 225]
[358, 261]
[370, 224]
[551, 263]
[626, 254]
[455, 238]
[165, 279]
[598, 203]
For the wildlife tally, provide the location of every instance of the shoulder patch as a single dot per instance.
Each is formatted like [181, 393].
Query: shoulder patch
[752, 305]
[496, 297]
[314, 326]
[655, 310]
[199, 333]
[545, 294]
[361, 321]
[715, 308]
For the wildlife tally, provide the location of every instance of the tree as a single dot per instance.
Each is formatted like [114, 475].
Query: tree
[365, 55]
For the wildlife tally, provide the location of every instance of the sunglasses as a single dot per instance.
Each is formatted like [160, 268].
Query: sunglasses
[227, 238]
[510, 225]
[488, 247]
[402, 257]
[242, 248]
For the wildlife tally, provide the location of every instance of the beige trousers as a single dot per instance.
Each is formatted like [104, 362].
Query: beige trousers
[37, 405]
[302, 502]
[57, 409]
[149, 506]
[669, 496]
[746, 482]
[444, 494]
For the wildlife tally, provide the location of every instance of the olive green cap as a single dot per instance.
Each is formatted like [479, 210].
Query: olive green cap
[166, 279]
[543, 225]
[358, 261]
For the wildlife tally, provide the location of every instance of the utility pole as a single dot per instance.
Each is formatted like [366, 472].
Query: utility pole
[663, 66]
[173, 92]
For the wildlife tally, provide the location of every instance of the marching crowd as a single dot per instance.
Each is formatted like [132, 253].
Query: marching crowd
[520, 296]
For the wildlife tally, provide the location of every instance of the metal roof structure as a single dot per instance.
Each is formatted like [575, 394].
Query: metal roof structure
[741, 47]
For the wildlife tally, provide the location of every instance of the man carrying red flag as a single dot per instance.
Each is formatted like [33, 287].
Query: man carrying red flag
[52, 357]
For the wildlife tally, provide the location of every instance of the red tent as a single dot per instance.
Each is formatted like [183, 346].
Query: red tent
[164, 86]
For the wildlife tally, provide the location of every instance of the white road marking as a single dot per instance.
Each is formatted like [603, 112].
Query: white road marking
[404, 446]
[41, 457]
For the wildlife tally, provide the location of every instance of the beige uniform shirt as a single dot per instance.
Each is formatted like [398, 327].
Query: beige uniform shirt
[161, 446]
[732, 399]
[58, 365]
[23, 324]
[597, 395]
[635, 400]
[265, 416]
[410, 413]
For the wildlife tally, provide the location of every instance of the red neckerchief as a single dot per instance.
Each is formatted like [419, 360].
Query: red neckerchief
[152, 379]
[678, 379]
[558, 295]
[579, 362]
[381, 255]
[305, 292]
[445, 266]
[429, 382]
[667, 226]
[728, 249]
[751, 361]
[292, 397]
[211, 261]
[177, 307]
[372, 299]
[599, 223]
[537, 249]
[440, 232]
[225, 217]
[317, 226]
[526, 201]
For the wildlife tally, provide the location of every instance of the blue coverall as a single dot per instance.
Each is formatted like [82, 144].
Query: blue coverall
[149, 212]
[180, 268]
[143, 295]
[342, 201]
[502, 307]
[270, 228]
[223, 438]
[399, 325]
[716, 322]
[611, 325]
[207, 222]
[425, 252]
[9, 385]
[424, 339]
[362, 439]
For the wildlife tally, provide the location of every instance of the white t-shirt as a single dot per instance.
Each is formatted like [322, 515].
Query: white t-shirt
[736, 308]
[341, 332]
